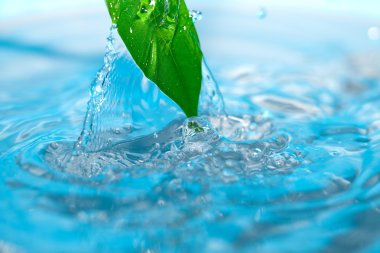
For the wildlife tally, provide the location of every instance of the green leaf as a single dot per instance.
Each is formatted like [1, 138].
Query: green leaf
[163, 41]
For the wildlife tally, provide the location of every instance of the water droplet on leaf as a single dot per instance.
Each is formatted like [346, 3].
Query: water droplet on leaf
[196, 15]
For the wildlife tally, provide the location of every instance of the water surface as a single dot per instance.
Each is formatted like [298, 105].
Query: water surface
[296, 157]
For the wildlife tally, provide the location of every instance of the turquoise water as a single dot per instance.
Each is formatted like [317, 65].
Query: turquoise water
[288, 161]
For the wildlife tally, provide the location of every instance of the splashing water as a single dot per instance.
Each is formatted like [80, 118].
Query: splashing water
[122, 119]
[291, 153]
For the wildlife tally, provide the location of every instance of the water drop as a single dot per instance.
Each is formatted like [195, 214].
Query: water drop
[262, 13]
[117, 131]
[256, 153]
[374, 33]
[98, 89]
[196, 15]
[54, 145]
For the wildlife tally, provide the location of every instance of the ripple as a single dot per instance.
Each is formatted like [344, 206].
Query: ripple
[286, 106]
[295, 156]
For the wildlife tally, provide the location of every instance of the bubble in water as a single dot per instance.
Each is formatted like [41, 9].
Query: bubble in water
[374, 33]
[262, 13]
[196, 15]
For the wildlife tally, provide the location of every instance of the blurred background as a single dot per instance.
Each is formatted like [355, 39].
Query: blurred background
[45, 32]
[48, 47]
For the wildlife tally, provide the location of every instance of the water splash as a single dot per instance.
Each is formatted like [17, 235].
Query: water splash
[99, 90]
[302, 151]
[123, 100]
[122, 112]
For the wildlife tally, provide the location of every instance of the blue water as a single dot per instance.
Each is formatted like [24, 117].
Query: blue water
[287, 161]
